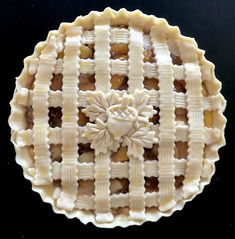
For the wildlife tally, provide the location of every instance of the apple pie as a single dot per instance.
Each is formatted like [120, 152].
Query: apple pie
[117, 118]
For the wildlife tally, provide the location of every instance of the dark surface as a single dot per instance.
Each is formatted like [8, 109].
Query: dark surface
[24, 23]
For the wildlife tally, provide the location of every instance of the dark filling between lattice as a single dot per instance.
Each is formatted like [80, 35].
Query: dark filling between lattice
[119, 82]
[86, 82]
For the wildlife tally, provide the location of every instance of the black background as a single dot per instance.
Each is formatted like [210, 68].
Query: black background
[24, 23]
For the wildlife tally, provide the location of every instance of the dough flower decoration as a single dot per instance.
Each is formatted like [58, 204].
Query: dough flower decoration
[119, 120]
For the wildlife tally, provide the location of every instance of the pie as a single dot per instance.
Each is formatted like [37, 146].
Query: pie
[117, 119]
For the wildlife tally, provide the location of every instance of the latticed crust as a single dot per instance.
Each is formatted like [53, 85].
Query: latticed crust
[121, 118]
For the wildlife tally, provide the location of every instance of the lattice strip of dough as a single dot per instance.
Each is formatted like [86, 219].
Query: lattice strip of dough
[135, 81]
[102, 167]
[24, 97]
[120, 67]
[117, 36]
[25, 137]
[167, 120]
[47, 61]
[121, 200]
[136, 189]
[118, 170]
[102, 191]
[136, 56]
[69, 129]
[195, 118]
[102, 58]
[117, 201]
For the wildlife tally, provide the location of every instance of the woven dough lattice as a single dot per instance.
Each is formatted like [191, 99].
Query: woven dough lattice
[117, 119]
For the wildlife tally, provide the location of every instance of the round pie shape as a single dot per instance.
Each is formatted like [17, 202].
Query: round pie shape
[117, 119]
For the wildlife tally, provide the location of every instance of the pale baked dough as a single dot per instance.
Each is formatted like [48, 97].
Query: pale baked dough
[118, 118]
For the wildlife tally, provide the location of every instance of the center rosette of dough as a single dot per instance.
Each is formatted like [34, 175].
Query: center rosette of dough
[120, 119]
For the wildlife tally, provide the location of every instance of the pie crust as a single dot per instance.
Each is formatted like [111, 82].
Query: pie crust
[117, 119]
